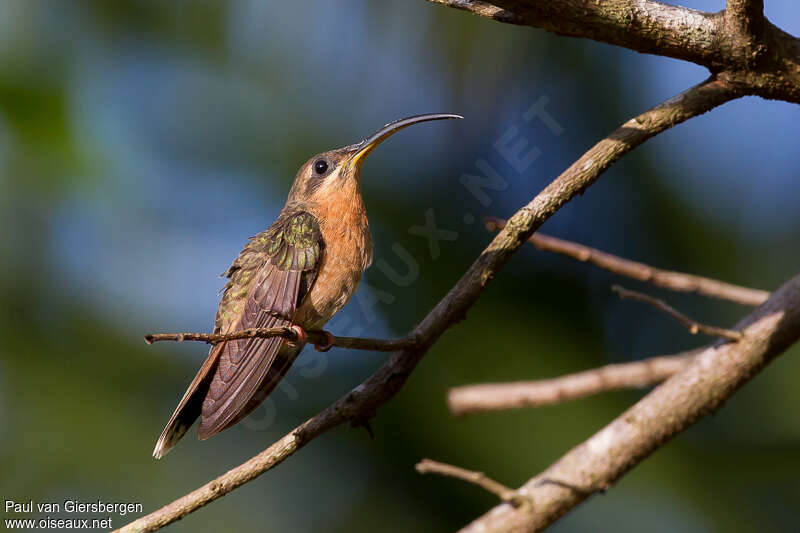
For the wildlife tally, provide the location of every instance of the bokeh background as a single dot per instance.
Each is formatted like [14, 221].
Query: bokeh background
[142, 142]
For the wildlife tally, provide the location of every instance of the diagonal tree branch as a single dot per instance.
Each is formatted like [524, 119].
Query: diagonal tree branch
[360, 404]
[667, 279]
[700, 389]
[484, 397]
[692, 325]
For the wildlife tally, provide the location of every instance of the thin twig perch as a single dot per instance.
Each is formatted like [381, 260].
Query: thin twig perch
[316, 337]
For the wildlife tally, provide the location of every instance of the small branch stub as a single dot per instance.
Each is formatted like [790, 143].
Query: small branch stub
[745, 18]
[693, 326]
[506, 494]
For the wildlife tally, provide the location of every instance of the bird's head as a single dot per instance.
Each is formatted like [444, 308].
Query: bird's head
[331, 174]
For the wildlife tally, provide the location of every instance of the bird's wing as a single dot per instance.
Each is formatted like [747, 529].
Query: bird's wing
[287, 256]
[293, 247]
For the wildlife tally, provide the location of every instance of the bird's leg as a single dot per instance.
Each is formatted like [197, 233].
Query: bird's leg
[302, 337]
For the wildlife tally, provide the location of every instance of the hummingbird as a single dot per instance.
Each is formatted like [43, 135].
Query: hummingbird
[297, 273]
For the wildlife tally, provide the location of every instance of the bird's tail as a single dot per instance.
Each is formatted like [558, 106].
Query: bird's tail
[190, 405]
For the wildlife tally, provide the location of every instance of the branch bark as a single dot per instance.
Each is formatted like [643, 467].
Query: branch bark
[745, 17]
[484, 397]
[666, 279]
[700, 389]
[360, 404]
[644, 26]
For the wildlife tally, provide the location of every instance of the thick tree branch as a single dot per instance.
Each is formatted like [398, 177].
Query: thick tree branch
[748, 53]
[360, 404]
[321, 338]
[642, 25]
[701, 388]
[666, 279]
[692, 325]
[471, 399]
[506, 494]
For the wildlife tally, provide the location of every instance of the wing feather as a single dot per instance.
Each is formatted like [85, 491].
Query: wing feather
[274, 273]
[272, 300]
[243, 364]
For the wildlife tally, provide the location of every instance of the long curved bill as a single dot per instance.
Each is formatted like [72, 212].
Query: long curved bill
[369, 144]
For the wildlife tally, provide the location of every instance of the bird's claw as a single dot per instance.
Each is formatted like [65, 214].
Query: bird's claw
[328, 343]
[302, 336]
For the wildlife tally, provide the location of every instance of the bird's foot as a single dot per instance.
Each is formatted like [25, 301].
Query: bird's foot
[328, 343]
[302, 336]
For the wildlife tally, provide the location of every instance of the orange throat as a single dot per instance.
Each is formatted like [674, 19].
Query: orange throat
[348, 252]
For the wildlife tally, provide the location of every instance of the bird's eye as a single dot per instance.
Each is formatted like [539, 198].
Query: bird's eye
[321, 166]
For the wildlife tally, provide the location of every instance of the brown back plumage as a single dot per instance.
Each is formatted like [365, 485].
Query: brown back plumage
[267, 282]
